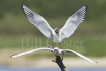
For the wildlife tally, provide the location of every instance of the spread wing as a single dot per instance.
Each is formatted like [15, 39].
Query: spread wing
[72, 51]
[27, 52]
[38, 21]
[73, 22]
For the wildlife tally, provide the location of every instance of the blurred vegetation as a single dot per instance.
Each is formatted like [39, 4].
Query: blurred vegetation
[14, 26]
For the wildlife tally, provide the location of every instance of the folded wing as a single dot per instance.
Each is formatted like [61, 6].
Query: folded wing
[72, 51]
[73, 22]
[27, 52]
[38, 21]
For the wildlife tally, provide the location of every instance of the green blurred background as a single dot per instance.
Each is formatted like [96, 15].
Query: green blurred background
[15, 28]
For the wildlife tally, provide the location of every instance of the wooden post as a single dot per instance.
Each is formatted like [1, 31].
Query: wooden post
[60, 63]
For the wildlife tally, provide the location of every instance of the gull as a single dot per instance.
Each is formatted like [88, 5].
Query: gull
[57, 34]
[57, 52]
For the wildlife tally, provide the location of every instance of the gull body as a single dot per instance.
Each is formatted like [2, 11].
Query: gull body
[56, 51]
[57, 34]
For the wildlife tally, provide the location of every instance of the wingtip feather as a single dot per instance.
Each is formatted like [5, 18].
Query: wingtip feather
[11, 56]
[86, 6]
[22, 5]
[96, 62]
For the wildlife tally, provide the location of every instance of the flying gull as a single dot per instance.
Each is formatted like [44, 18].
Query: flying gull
[57, 34]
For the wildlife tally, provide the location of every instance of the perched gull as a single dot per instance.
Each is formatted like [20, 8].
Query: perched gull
[56, 51]
[57, 34]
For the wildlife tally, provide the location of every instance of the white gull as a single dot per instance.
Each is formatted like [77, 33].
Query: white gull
[56, 51]
[57, 34]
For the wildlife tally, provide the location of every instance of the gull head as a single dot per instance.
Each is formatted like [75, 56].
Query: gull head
[57, 51]
[56, 30]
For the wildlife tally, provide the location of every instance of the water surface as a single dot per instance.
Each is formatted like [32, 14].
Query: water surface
[4, 68]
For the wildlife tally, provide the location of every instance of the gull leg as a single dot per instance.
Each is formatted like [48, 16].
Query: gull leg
[54, 59]
[62, 56]
[60, 46]
[53, 44]
[48, 46]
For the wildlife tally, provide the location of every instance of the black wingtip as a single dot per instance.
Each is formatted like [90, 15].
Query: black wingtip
[86, 9]
[10, 56]
[22, 5]
[96, 62]
[23, 10]
[86, 5]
